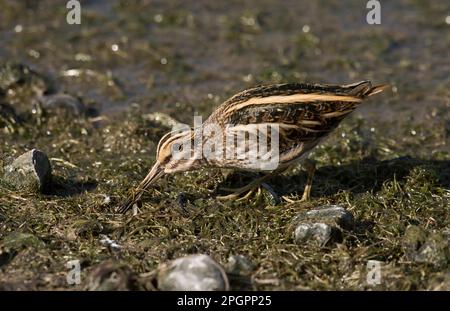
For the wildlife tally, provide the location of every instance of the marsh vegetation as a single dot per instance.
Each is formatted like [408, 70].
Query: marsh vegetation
[388, 164]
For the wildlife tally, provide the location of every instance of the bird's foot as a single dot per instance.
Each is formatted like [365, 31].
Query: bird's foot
[236, 195]
[306, 197]
[251, 187]
[237, 192]
[310, 168]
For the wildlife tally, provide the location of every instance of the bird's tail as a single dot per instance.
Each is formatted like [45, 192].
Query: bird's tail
[365, 89]
[376, 89]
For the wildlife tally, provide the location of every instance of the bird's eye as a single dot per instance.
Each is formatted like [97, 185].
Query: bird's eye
[179, 147]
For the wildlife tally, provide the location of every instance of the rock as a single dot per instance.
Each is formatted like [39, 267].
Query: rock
[192, 273]
[421, 247]
[31, 171]
[435, 251]
[317, 233]
[162, 119]
[333, 215]
[321, 225]
[239, 265]
[63, 104]
[109, 275]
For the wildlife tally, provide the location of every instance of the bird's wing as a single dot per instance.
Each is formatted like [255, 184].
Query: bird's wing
[358, 89]
[303, 113]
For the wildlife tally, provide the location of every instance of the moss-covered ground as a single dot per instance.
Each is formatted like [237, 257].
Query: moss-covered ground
[388, 163]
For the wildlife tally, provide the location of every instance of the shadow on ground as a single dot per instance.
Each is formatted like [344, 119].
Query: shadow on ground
[66, 187]
[356, 177]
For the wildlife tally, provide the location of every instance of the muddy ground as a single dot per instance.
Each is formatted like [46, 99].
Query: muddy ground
[388, 163]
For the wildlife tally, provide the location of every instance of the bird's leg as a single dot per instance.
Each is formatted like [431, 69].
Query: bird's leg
[310, 167]
[251, 186]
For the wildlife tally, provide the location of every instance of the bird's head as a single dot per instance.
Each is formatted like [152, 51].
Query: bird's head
[174, 153]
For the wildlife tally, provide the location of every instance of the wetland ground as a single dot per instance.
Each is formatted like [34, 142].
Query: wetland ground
[388, 163]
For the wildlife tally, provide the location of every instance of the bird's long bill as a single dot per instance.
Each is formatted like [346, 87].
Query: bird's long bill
[155, 173]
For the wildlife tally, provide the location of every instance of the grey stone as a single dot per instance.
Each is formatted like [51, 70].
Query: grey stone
[434, 251]
[62, 104]
[31, 171]
[239, 265]
[332, 215]
[315, 233]
[192, 273]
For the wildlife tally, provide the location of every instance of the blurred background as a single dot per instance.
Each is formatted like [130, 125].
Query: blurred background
[189, 56]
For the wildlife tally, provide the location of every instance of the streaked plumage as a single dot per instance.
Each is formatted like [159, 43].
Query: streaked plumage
[305, 114]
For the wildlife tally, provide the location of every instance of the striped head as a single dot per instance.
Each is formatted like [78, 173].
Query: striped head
[174, 153]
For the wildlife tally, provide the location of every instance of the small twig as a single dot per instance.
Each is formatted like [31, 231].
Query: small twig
[64, 162]
[17, 197]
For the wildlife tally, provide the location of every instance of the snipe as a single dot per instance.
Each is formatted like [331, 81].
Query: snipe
[303, 115]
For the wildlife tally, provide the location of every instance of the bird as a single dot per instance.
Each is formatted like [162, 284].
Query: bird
[303, 114]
